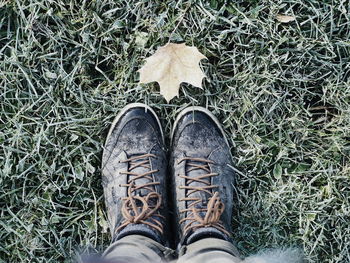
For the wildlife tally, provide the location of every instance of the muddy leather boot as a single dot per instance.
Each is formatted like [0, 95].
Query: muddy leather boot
[133, 174]
[202, 176]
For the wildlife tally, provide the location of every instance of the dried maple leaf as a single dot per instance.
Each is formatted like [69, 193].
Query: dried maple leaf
[171, 65]
[285, 18]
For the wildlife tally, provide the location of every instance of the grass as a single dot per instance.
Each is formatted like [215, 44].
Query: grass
[282, 92]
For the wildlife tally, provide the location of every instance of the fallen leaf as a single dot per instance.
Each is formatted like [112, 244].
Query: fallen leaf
[171, 65]
[285, 18]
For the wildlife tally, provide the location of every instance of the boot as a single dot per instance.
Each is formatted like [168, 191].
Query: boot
[201, 168]
[133, 174]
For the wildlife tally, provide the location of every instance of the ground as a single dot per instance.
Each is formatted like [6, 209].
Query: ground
[281, 90]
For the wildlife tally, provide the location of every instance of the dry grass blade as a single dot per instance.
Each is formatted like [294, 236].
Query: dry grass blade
[285, 18]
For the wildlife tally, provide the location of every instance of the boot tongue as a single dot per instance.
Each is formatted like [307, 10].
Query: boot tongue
[137, 228]
[195, 173]
[141, 170]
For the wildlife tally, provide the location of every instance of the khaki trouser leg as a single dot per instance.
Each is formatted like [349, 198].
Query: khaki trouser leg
[135, 249]
[209, 250]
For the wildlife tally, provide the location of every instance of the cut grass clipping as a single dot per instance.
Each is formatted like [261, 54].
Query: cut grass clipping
[281, 91]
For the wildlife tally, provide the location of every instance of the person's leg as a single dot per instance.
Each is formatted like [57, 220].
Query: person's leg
[209, 250]
[134, 182]
[203, 181]
[135, 249]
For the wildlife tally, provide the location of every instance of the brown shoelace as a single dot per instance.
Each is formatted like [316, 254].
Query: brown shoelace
[214, 208]
[137, 209]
